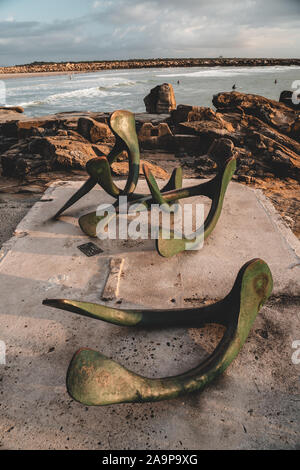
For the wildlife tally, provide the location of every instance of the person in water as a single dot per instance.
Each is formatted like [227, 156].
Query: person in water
[234, 87]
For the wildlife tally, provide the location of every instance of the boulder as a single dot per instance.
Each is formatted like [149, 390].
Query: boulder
[187, 113]
[161, 99]
[204, 123]
[37, 155]
[11, 109]
[65, 152]
[94, 131]
[265, 133]
[156, 136]
[273, 113]
[262, 150]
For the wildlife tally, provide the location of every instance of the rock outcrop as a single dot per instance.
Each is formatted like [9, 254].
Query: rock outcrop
[31, 146]
[276, 114]
[153, 136]
[94, 131]
[10, 112]
[161, 99]
[9, 109]
[263, 134]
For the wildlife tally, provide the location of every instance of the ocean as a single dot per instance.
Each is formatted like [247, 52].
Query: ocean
[125, 89]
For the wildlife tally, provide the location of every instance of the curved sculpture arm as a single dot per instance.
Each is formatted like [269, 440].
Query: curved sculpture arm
[214, 189]
[175, 181]
[90, 223]
[86, 188]
[122, 124]
[99, 170]
[94, 379]
[168, 245]
[157, 196]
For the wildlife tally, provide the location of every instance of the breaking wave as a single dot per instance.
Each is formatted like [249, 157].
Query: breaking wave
[57, 98]
[228, 72]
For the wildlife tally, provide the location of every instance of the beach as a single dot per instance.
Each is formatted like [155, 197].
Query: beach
[9, 76]
[45, 93]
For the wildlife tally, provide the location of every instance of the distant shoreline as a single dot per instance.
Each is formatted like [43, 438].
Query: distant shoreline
[9, 76]
[50, 68]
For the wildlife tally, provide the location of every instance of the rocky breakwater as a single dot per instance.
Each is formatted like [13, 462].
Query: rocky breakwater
[93, 66]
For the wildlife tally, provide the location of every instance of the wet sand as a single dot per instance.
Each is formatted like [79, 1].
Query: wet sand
[8, 76]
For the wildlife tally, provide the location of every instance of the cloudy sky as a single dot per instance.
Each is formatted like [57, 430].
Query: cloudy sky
[63, 30]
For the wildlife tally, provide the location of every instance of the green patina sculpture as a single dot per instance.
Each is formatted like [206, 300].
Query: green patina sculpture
[94, 379]
[122, 124]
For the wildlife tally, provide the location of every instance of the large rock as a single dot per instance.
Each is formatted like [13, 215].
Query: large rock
[276, 114]
[188, 113]
[10, 113]
[11, 109]
[94, 131]
[265, 133]
[161, 99]
[263, 149]
[38, 155]
[156, 136]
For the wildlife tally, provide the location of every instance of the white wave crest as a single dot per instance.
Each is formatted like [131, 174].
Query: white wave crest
[228, 71]
[73, 96]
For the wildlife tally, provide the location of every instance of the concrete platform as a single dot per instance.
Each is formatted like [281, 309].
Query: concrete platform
[254, 405]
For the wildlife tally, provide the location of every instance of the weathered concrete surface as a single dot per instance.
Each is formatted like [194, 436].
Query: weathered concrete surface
[13, 207]
[254, 405]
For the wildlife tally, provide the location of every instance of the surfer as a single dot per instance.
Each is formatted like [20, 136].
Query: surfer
[234, 87]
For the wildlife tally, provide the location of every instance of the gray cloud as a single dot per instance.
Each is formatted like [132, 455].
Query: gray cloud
[159, 28]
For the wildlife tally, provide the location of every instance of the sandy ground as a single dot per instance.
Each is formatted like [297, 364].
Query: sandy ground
[13, 207]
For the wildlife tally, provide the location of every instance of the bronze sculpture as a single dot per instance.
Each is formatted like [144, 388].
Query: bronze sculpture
[122, 124]
[93, 379]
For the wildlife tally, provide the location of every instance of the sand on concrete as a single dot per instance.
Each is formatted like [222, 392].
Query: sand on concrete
[13, 207]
